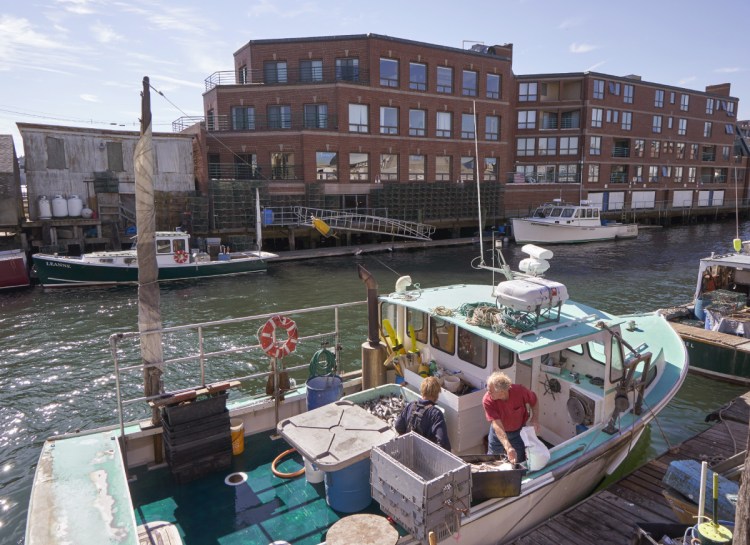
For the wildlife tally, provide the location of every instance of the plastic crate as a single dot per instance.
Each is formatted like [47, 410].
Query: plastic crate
[420, 485]
[196, 409]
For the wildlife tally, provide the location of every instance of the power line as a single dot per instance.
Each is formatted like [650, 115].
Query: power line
[50, 117]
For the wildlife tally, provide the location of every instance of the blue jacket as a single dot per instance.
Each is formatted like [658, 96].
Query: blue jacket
[431, 424]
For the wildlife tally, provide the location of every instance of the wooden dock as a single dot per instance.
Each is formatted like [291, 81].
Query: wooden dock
[611, 515]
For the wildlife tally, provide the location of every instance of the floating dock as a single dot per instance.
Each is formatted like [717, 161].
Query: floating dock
[611, 515]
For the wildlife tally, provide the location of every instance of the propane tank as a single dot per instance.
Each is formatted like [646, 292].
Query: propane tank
[59, 207]
[75, 205]
[45, 208]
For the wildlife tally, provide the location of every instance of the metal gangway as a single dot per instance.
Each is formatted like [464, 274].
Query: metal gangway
[353, 220]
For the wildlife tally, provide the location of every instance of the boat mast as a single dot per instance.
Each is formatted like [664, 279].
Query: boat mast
[149, 313]
[258, 226]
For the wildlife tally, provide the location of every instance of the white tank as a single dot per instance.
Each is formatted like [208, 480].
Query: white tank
[75, 205]
[45, 208]
[59, 207]
[86, 213]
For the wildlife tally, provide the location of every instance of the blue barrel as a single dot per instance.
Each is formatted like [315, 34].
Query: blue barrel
[348, 489]
[323, 390]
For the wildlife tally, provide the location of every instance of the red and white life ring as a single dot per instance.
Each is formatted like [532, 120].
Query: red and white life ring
[180, 256]
[267, 336]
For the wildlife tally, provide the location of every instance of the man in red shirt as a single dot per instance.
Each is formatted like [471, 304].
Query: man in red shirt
[505, 406]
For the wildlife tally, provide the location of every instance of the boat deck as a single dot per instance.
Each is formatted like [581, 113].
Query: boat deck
[610, 515]
[262, 510]
[690, 333]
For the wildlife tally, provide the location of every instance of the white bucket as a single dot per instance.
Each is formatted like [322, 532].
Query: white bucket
[451, 383]
[312, 473]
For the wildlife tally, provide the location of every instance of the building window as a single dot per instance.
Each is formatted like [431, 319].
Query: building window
[598, 88]
[680, 150]
[527, 119]
[358, 115]
[525, 146]
[210, 120]
[282, 166]
[326, 165]
[639, 147]
[444, 79]
[214, 166]
[707, 129]
[725, 153]
[684, 101]
[656, 124]
[388, 120]
[443, 124]
[593, 175]
[527, 92]
[693, 151]
[627, 93]
[493, 85]
[389, 167]
[310, 71]
[274, 72]
[417, 122]
[666, 172]
[243, 118]
[549, 120]
[678, 174]
[470, 83]
[691, 175]
[316, 116]
[242, 75]
[670, 121]
[729, 128]
[467, 126]
[417, 76]
[492, 127]
[569, 145]
[347, 69]
[596, 117]
[443, 168]
[490, 169]
[653, 173]
[614, 88]
[467, 169]
[709, 106]
[682, 127]
[279, 117]
[548, 146]
[571, 120]
[627, 121]
[668, 148]
[359, 167]
[417, 168]
[568, 173]
[671, 97]
[659, 98]
[245, 166]
[655, 148]
[595, 147]
[388, 72]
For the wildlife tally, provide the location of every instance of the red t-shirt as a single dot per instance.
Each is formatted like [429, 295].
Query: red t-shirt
[510, 412]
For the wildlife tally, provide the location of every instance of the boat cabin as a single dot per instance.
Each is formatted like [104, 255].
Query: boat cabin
[558, 211]
[571, 356]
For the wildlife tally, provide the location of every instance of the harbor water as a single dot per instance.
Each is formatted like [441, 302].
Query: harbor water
[56, 374]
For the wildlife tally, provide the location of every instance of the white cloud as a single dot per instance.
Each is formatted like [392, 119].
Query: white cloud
[265, 7]
[90, 98]
[728, 70]
[686, 80]
[104, 34]
[19, 32]
[176, 83]
[581, 48]
[595, 67]
[79, 7]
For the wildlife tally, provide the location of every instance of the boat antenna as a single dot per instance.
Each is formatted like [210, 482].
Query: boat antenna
[258, 227]
[479, 192]
[737, 242]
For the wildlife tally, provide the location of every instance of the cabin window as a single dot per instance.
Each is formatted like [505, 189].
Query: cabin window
[578, 349]
[179, 245]
[472, 348]
[416, 320]
[617, 368]
[568, 212]
[505, 357]
[555, 213]
[443, 335]
[387, 312]
[163, 247]
[596, 351]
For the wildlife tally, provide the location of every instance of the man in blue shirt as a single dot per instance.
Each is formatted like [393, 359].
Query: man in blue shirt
[423, 417]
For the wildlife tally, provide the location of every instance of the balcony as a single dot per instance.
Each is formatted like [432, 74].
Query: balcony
[293, 122]
[290, 76]
[257, 172]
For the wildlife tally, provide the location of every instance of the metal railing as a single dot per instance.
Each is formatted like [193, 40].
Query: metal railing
[289, 76]
[243, 172]
[217, 351]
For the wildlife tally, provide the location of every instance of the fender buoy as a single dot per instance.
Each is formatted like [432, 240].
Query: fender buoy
[268, 341]
[180, 256]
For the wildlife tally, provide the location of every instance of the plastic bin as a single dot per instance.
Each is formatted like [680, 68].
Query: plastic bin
[237, 429]
[323, 390]
[420, 485]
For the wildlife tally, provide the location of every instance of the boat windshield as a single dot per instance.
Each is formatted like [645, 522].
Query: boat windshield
[568, 212]
[556, 212]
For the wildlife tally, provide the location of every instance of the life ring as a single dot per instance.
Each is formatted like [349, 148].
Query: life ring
[180, 256]
[268, 341]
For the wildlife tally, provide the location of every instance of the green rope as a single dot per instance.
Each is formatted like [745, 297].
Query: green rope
[327, 367]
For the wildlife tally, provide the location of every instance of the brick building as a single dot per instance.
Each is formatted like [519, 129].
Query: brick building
[371, 121]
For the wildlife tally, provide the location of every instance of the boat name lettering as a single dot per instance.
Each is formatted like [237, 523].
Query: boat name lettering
[53, 264]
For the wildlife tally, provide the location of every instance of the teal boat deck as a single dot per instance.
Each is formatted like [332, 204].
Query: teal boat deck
[260, 511]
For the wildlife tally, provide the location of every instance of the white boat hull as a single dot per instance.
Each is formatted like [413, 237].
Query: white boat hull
[533, 230]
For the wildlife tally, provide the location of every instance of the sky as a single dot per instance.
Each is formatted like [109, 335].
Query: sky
[81, 63]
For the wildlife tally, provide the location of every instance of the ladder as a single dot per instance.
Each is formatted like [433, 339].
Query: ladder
[342, 220]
